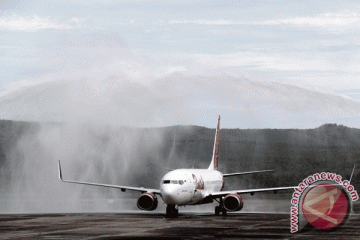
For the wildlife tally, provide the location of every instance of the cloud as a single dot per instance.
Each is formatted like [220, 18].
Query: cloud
[321, 20]
[35, 23]
[208, 22]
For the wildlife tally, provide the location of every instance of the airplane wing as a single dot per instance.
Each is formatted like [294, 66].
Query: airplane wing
[224, 193]
[243, 173]
[122, 188]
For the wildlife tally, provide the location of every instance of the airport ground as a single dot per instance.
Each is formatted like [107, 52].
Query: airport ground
[154, 225]
[148, 225]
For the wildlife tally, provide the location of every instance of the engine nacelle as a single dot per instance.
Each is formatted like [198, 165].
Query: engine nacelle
[233, 202]
[147, 201]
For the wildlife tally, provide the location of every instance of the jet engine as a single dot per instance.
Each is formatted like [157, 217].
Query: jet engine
[147, 201]
[233, 202]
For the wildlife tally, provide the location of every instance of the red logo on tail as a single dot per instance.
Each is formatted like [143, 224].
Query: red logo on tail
[216, 149]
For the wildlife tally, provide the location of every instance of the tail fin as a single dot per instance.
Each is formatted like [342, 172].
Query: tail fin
[214, 161]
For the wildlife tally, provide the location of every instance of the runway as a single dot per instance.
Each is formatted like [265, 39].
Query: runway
[141, 225]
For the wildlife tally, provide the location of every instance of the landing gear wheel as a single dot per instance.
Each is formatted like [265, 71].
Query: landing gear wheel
[171, 211]
[217, 211]
[220, 208]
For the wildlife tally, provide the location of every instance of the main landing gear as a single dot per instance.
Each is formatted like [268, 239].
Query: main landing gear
[220, 208]
[171, 211]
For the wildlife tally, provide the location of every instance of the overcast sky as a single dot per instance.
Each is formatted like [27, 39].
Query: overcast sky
[309, 44]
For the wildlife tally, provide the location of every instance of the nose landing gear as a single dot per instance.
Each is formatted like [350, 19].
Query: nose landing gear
[171, 211]
[220, 208]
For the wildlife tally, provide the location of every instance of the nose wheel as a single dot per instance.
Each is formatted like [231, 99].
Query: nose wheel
[171, 211]
[220, 208]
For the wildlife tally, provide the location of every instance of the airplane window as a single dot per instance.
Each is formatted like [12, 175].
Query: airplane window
[174, 181]
[166, 181]
[181, 182]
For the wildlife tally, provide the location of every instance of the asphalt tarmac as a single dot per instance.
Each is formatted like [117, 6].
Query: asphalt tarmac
[147, 225]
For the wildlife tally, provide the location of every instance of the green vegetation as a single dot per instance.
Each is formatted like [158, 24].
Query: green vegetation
[294, 154]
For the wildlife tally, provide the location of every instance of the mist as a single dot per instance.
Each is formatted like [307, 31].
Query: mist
[179, 98]
[104, 154]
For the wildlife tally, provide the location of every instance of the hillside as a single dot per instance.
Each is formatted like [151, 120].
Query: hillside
[140, 155]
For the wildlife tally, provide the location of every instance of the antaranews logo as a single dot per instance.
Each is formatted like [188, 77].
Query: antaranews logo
[322, 200]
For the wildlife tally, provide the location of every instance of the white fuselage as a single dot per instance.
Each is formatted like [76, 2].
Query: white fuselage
[190, 186]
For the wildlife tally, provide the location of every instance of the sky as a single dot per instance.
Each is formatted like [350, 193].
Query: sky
[259, 64]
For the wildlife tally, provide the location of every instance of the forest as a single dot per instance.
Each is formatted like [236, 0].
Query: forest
[139, 154]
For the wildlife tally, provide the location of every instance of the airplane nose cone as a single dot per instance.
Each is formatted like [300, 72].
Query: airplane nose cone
[168, 195]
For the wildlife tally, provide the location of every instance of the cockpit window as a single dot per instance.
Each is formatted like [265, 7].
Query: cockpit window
[181, 182]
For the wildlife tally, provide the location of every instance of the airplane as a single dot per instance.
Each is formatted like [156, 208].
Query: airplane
[183, 187]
